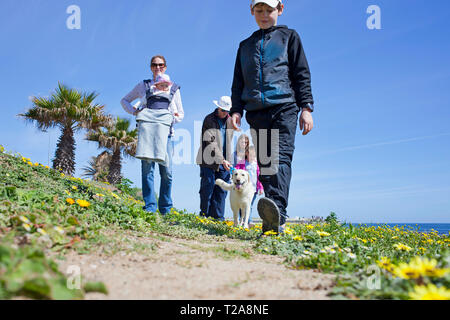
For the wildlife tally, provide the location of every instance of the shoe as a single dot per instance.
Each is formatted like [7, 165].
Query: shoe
[270, 215]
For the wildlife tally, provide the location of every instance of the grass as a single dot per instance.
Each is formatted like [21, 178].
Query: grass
[43, 210]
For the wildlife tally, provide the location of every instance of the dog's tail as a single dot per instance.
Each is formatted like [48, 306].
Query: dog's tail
[224, 185]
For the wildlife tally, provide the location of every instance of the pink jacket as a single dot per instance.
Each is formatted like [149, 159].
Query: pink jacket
[241, 166]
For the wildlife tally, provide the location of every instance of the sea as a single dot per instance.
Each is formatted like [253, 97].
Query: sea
[441, 228]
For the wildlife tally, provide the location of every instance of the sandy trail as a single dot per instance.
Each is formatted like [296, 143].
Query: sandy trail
[161, 267]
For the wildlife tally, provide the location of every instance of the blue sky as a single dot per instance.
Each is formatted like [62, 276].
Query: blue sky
[380, 148]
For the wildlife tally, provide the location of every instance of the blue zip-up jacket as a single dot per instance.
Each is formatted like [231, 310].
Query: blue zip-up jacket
[271, 69]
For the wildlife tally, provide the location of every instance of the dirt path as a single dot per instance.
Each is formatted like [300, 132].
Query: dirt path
[160, 267]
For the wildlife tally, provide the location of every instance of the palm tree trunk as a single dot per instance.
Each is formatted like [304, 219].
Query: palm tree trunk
[115, 167]
[65, 152]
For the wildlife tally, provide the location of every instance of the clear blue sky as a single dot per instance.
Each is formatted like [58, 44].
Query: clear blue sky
[380, 148]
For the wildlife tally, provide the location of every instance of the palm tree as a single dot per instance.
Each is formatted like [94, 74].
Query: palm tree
[97, 168]
[118, 139]
[70, 110]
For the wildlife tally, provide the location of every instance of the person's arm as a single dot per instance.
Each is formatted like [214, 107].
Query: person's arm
[178, 107]
[237, 109]
[299, 73]
[137, 93]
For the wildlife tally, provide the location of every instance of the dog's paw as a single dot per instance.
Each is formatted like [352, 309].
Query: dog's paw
[219, 182]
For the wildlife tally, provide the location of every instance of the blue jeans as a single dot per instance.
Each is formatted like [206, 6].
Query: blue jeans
[212, 197]
[165, 190]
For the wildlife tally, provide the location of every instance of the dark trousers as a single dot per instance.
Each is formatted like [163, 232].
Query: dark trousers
[212, 197]
[276, 184]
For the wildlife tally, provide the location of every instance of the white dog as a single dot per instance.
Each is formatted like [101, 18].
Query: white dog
[241, 195]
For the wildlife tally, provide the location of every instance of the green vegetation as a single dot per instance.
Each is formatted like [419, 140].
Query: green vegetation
[44, 210]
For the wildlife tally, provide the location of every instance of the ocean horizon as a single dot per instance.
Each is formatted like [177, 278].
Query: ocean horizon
[441, 228]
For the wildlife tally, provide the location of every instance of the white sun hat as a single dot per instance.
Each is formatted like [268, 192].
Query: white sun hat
[161, 78]
[224, 103]
[272, 3]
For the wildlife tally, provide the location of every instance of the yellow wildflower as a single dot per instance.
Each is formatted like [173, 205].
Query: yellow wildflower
[27, 227]
[323, 233]
[385, 263]
[298, 238]
[402, 247]
[74, 187]
[270, 233]
[429, 292]
[288, 230]
[24, 219]
[83, 203]
[41, 231]
[70, 201]
[309, 226]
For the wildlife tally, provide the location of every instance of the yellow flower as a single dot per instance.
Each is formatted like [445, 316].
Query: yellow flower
[24, 219]
[429, 292]
[229, 223]
[309, 226]
[30, 163]
[27, 227]
[402, 247]
[419, 267]
[74, 187]
[385, 263]
[270, 233]
[70, 201]
[2, 149]
[41, 231]
[83, 203]
[298, 238]
[100, 195]
[288, 230]
[323, 233]
[406, 271]
[47, 167]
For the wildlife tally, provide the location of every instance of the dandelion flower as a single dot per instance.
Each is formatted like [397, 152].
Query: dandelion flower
[27, 227]
[74, 187]
[24, 219]
[297, 238]
[429, 292]
[270, 233]
[83, 203]
[323, 233]
[402, 247]
[70, 201]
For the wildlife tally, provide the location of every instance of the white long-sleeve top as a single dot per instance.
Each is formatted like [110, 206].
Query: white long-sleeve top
[139, 92]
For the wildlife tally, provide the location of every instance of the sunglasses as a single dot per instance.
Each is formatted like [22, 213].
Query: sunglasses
[161, 65]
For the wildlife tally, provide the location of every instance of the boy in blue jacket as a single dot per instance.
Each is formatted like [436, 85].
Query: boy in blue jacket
[272, 83]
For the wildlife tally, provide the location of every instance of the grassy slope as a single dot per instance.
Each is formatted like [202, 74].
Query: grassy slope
[41, 210]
